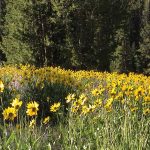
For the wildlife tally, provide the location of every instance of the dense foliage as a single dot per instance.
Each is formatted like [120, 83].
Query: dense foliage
[106, 35]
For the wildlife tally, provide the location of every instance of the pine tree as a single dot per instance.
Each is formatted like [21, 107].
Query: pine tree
[130, 25]
[145, 40]
[13, 43]
[2, 19]
[49, 31]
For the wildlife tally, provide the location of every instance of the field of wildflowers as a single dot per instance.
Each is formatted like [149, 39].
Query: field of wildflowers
[52, 108]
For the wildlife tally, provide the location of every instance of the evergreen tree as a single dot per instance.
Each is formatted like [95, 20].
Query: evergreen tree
[93, 37]
[49, 31]
[12, 42]
[145, 40]
[130, 25]
[2, 18]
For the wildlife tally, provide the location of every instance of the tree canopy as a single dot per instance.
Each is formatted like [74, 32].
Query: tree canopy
[105, 35]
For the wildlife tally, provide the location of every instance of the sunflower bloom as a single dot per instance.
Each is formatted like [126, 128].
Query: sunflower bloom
[92, 108]
[85, 110]
[134, 109]
[1, 86]
[74, 109]
[55, 107]
[32, 123]
[70, 98]
[109, 103]
[16, 103]
[146, 111]
[138, 92]
[32, 108]
[95, 92]
[98, 102]
[9, 113]
[46, 120]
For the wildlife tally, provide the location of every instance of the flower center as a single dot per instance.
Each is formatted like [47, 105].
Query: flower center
[34, 109]
[10, 115]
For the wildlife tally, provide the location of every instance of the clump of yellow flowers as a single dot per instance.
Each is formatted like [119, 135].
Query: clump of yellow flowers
[10, 113]
[93, 91]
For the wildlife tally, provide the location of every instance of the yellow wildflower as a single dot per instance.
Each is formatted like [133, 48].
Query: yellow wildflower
[32, 123]
[138, 92]
[32, 108]
[85, 110]
[46, 120]
[1, 86]
[74, 109]
[146, 111]
[55, 107]
[98, 102]
[9, 113]
[95, 92]
[113, 92]
[119, 96]
[124, 88]
[16, 103]
[83, 97]
[80, 102]
[108, 103]
[92, 108]
[134, 109]
[70, 97]
[147, 98]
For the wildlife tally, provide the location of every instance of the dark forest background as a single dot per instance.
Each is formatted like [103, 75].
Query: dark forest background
[104, 35]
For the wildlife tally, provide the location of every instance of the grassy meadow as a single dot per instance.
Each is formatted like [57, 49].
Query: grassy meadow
[56, 109]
